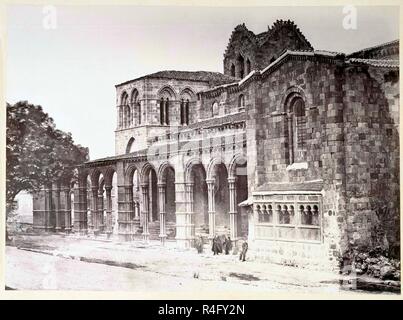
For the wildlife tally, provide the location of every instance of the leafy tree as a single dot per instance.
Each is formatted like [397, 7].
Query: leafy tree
[37, 153]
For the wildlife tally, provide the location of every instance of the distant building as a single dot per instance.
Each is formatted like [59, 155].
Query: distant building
[294, 149]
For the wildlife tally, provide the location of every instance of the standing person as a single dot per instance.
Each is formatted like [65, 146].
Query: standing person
[220, 244]
[199, 244]
[227, 245]
[215, 247]
[242, 256]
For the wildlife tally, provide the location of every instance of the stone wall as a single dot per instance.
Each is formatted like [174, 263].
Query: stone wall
[352, 145]
[372, 157]
[264, 48]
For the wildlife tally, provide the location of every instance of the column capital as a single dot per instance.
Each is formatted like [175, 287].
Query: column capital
[108, 188]
[161, 184]
[93, 188]
[231, 179]
[144, 185]
[210, 181]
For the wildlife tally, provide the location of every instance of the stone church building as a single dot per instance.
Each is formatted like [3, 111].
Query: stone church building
[293, 149]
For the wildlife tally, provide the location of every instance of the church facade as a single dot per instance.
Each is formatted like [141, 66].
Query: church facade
[293, 149]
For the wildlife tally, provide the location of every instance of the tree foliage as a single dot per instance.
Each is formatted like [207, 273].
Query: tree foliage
[37, 153]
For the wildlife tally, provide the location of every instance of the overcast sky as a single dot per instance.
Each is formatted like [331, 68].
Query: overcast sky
[71, 70]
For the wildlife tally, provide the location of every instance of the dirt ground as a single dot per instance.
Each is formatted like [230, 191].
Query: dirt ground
[59, 262]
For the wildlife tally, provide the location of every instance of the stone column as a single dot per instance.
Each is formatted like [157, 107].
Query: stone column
[94, 210]
[190, 211]
[123, 214]
[67, 209]
[80, 209]
[233, 212]
[48, 208]
[183, 227]
[211, 207]
[129, 209]
[109, 223]
[166, 111]
[101, 210]
[57, 208]
[291, 154]
[162, 207]
[144, 190]
[136, 211]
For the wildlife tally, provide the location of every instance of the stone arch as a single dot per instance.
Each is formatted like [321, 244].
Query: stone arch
[212, 164]
[109, 176]
[130, 145]
[124, 98]
[83, 174]
[289, 95]
[188, 92]
[161, 171]
[167, 92]
[131, 169]
[94, 176]
[233, 163]
[134, 95]
[188, 168]
[166, 95]
[144, 171]
[215, 108]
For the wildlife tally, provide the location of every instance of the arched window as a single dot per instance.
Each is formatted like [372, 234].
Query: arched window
[248, 67]
[130, 146]
[166, 95]
[136, 108]
[233, 70]
[139, 113]
[120, 120]
[241, 102]
[187, 111]
[123, 113]
[164, 111]
[297, 130]
[240, 66]
[184, 111]
[214, 109]
[127, 116]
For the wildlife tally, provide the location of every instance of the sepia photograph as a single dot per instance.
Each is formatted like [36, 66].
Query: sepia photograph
[202, 150]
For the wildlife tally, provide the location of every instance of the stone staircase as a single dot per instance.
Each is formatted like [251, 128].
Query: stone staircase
[154, 230]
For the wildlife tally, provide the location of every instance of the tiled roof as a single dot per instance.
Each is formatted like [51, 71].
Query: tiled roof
[295, 187]
[212, 78]
[217, 121]
[118, 157]
[382, 63]
[359, 52]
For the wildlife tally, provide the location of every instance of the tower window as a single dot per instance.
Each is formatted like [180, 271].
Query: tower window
[297, 131]
[233, 70]
[241, 102]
